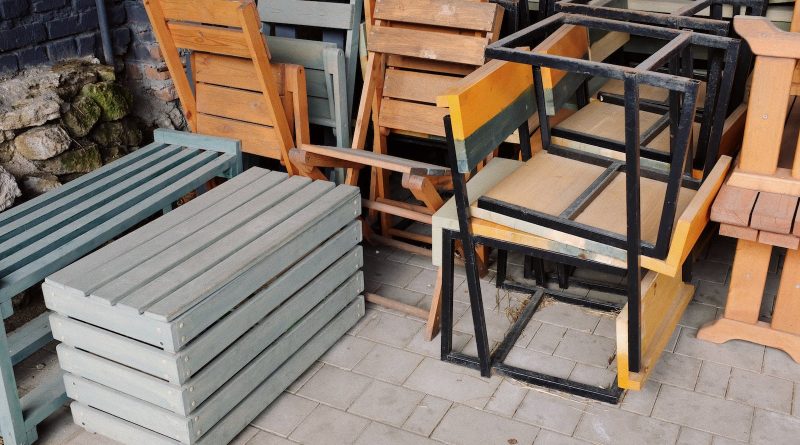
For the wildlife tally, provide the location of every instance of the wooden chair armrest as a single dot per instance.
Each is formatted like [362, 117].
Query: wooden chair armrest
[352, 158]
[765, 39]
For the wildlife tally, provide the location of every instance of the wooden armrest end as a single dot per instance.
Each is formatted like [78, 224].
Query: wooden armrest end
[765, 39]
[361, 158]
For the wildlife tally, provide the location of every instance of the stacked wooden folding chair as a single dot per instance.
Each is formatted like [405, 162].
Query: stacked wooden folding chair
[330, 57]
[417, 49]
[565, 205]
[235, 91]
[758, 203]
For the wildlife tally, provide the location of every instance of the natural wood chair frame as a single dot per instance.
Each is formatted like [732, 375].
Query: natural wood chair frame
[235, 91]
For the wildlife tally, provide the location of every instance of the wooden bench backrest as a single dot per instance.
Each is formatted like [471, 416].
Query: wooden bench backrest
[237, 90]
[487, 110]
[427, 46]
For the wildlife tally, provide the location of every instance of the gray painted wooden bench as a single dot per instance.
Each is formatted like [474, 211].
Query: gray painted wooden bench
[47, 233]
[184, 330]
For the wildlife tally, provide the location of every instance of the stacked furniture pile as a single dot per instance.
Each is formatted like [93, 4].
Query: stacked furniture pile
[186, 329]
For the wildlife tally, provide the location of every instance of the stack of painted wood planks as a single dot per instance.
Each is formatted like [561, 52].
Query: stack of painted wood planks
[186, 329]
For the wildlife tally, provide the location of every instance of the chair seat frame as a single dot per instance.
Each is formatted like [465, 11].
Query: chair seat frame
[683, 95]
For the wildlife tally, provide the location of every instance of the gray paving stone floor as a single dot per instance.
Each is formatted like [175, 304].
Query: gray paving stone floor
[383, 384]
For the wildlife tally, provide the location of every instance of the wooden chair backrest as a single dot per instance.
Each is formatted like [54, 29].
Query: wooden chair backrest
[487, 110]
[426, 46]
[339, 24]
[236, 89]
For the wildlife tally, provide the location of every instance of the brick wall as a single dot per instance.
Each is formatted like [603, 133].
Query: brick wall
[33, 32]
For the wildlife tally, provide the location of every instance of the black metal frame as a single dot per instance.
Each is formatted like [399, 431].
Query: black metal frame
[683, 95]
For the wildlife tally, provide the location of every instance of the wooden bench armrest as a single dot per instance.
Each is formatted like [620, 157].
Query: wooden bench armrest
[765, 39]
[324, 156]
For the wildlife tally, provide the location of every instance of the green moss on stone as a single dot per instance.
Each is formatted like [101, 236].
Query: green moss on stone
[114, 101]
[82, 116]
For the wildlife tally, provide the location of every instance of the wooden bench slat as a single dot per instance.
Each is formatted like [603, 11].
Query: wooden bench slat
[230, 71]
[307, 13]
[97, 266]
[478, 16]
[168, 191]
[53, 205]
[327, 214]
[29, 338]
[210, 39]
[123, 264]
[733, 205]
[15, 213]
[412, 116]
[774, 212]
[427, 45]
[416, 86]
[94, 209]
[222, 230]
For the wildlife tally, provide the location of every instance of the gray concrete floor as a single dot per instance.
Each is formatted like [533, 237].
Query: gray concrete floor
[383, 384]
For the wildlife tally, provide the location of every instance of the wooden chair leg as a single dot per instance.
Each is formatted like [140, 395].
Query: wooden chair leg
[786, 316]
[434, 316]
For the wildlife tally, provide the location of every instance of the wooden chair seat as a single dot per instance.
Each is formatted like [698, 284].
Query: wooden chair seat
[549, 184]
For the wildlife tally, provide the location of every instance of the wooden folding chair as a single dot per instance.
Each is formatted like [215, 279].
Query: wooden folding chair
[235, 91]
[561, 205]
[329, 54]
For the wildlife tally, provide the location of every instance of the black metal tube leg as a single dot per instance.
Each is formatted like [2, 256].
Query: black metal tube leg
[563, 275]
[502, 267]
[448, 253]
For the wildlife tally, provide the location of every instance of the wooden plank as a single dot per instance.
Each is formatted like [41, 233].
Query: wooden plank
[766, 115]
[416, 86]
[29, 338]
[415, 63]
[78, 276]
[733, 206]
[245, 412]
[364, 157]
[733, 131]
[120, 260]
[547, 183]
[741, 232]
[105, 177]
[233, 103]
[765, 39]
[16, 213]
[307, 53]
[748, 277]
[43, 400]
[95, 210]
[774, 213]
[477, 16]
[427, 45]
[256, 139]
[225, 235]
[779, 240]
[203, 11]
[209, 39]
[318, 14]
[567, 41]
[786, 315]
[230, 71]
[410, 116]
[781, 181]
[336, 208]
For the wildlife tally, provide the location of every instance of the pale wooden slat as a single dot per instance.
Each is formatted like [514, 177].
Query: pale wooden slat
[478, 16]
[130, 259]
[733, 205]
[774, 212]
[307, 13]
[124, 288]
[210, 39]
[230, 71]
[410, 116]
[225, 13]
[416, 86]
[28, 245]
[427, 45]
[256, 139]
[178, 183]
[332, 210]
[233, 103]
[99, 264]
[388, 162]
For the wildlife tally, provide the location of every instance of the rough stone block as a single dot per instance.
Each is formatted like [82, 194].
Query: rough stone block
[86, 44]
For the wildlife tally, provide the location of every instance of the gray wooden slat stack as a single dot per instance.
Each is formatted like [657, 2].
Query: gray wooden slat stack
[47, 233]
[187, 328]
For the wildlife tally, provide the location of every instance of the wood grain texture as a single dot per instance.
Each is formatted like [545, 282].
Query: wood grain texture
[256, 139]
[428, 45]
[779, 240]
[225, 13]
[748, 276]
[774, 213]
[733, 206]
[416, 86]
[472, 15]
[410, 116]
[786, 315]
[211, 39]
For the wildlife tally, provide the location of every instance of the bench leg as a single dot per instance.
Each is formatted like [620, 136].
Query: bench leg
[12, 424]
